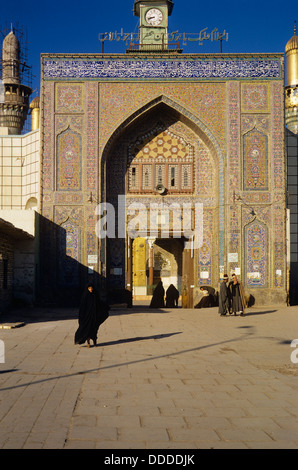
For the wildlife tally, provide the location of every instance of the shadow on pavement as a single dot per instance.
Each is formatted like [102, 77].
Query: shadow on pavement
[138, 338]
[259, 312]
[40, 315]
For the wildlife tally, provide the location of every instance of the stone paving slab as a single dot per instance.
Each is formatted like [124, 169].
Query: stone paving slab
[158, 379]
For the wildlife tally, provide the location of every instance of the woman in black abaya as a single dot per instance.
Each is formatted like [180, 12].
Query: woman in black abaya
[92, 313]
[158, 297]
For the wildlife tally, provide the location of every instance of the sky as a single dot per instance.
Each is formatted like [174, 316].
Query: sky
[74, 26]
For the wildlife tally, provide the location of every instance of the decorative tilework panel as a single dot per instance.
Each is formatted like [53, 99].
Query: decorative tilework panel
[251, 121]
[205, 252]
[279, 246]
[205, 101]
[278, 137]
[116, 248]
[69, 98]
[69, 255]
[92, 133]
[62, 122]
[140, 69]
[156, 152]
[48, 137]
[205, 172]
[254, 98]
[165, 145]
[89, 225]
[256, 255]
[255, 161]
[234, 136]
[234, 173]
[69, 150]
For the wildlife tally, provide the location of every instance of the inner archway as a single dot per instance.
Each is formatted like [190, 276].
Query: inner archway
[155, 259]
[162, 158]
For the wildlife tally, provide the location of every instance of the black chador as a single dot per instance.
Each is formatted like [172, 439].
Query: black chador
[158, 297]
[172, 296]
[92, 313]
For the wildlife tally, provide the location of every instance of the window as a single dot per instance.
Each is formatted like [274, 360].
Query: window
[144, 176]
[173, 177]
[133, 176]
[147, 181]
[186, 177]
[159, 174]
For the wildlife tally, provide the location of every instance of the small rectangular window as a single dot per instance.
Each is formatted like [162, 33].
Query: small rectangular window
[159, 174]
[186, 176]
[147, 177]
[133, 177]
[173, 177]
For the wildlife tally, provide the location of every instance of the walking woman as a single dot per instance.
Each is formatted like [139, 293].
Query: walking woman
[92, 313]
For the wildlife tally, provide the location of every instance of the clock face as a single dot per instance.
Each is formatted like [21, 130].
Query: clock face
[154, 17]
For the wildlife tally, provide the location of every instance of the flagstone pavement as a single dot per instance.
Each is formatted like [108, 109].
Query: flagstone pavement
[158, 379]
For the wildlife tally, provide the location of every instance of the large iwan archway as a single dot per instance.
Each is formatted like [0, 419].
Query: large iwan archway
[162, 155]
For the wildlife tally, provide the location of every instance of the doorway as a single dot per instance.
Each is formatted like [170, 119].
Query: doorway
[165, 259]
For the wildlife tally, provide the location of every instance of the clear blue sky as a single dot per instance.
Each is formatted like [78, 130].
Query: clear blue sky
[74, 26]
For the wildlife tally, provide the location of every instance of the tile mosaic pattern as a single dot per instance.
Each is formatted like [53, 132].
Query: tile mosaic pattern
[165, 145]
[254, 98]
[102, 68]
[255, 161]
[256, 254]
[69, 158]
[69, 98]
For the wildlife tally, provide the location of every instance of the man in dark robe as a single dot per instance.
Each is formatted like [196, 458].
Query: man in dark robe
[223, 298]
[237, 296]
[172, 296]
[158, 297]
[92, 313]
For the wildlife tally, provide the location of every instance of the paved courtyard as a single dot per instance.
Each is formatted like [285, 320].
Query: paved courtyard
[158, 379]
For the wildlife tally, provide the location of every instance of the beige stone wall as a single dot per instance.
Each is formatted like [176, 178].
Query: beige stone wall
[20, 170]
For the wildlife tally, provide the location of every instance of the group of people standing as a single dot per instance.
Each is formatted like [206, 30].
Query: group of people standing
[231, 299]
[93, 311]
[162, 298]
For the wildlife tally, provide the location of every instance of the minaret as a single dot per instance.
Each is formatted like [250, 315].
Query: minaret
[34, 108]
[291, 90]
[14, 108]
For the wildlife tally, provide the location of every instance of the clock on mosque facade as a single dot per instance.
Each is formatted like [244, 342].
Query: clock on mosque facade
[153, 21]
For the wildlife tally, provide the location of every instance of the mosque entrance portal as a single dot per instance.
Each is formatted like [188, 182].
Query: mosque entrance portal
[160, 259]
[158, 171]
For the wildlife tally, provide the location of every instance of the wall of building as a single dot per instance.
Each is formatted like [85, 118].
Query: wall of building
[23, 254]
[230, 110]
[292, 186]
[20, 170]
[6, 271]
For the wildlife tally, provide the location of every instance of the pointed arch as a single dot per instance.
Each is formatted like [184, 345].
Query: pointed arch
[187, 117]
[256, 254]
